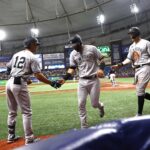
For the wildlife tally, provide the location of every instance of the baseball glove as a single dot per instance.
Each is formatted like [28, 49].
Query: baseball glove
[55, 84]
[100, 73]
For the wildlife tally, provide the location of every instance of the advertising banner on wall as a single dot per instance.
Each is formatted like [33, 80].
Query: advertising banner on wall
[39, 58]
[67, 52]
[53, 56]
[116, 52]
[105, 50]
[53, 61]
[125, 50]
[3, 61]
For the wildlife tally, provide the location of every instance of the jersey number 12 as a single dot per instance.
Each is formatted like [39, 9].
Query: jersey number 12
[19, 62]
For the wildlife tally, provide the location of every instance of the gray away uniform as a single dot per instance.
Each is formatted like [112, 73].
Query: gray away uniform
[139, 53]
[87, 65]
[22, 64]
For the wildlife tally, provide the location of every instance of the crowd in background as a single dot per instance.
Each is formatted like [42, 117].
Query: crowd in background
[126, 71]
[3, 76]
[56, 72]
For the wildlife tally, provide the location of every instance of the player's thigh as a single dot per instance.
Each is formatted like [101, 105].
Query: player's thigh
[82, 93]
[24, 101]
[142, 81]
[95, 91]
[11, 101]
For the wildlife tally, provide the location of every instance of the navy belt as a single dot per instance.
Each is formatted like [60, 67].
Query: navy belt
[138, 66]
[89, 77]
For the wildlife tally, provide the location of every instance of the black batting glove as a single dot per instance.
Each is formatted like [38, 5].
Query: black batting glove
[120, 64]
[55, 84]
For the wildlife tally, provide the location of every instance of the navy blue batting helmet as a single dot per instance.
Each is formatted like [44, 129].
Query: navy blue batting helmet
[134, 31]
[75, 40]
[29, 40]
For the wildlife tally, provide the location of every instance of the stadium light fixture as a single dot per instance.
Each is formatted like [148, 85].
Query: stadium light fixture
[2, 35]
[100, 19]
[134, 9]
[34, 32]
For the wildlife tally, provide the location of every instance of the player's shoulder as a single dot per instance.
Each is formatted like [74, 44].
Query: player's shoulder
[18, 53]
[74, 52]
[29, 54]
[145, 41]
[25, 53]
[131, 47]
[90, 46]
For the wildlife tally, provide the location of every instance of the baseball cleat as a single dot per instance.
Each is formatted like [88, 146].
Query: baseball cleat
[84, 126]
[137, 115]
[32, 140]
[102, 112]
[12, 138]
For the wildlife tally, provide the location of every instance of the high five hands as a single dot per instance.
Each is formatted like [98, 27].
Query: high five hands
[57, 83]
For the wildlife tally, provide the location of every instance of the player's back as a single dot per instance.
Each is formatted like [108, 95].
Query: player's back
[20, 63]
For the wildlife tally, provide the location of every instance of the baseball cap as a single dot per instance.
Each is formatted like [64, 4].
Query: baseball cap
[30, 40]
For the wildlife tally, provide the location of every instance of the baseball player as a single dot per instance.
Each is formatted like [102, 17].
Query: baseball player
[112, 77]
[139, 56]
[21, 66]
[84, 58]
